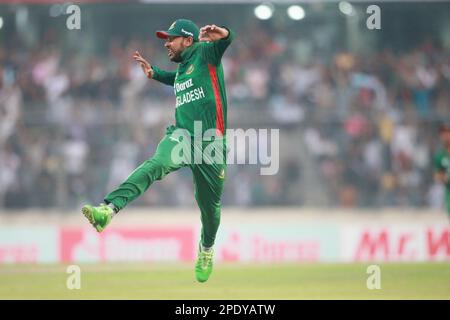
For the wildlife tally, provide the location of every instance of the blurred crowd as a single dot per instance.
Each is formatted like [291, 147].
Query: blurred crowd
[373, 127]
[73, 126]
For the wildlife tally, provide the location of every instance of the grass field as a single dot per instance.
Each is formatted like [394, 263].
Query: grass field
[176, 281]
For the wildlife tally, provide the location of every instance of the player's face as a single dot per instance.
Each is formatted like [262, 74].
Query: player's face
[175, 46]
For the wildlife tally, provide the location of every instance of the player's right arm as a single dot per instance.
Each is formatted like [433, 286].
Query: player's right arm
[153, 72]
[166, 77]
[215, 41]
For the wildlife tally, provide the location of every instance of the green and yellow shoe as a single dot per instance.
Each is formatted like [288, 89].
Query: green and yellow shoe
[204, 264]
[99, 217]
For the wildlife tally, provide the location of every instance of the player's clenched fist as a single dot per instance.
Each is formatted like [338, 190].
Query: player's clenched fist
[212, 33]
[146, 67]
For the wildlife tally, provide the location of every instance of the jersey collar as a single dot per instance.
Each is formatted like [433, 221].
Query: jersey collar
[187, 53]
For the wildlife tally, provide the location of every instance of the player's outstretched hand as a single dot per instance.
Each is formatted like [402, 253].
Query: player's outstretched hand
[212, 33]
[146, 67]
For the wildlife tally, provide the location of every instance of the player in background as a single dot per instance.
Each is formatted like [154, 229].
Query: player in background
[442, 163]
[199, 87]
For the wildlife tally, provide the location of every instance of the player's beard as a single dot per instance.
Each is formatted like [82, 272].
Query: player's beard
[176, 56]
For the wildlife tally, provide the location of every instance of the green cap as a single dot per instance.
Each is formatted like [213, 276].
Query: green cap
[182, 28]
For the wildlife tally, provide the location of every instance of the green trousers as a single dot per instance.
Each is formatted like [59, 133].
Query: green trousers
[209, 178]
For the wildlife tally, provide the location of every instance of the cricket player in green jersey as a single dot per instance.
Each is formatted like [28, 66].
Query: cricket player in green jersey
[201, 101]
[442, 163]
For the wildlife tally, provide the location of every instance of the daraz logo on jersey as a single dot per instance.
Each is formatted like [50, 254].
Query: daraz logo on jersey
[190, 96]
[183, 85]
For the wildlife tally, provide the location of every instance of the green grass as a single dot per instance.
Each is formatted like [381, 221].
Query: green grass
[228, 281]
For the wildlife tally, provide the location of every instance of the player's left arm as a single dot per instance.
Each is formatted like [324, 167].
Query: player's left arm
[216, 41]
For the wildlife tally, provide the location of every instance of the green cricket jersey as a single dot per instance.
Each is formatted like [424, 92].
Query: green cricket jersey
[442, 163]
[199, 86]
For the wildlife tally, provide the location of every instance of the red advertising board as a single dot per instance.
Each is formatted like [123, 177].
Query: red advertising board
[127, 244]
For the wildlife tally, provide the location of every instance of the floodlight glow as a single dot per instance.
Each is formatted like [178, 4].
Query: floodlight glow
[263, 12]
[346, 8]
[296, 12]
